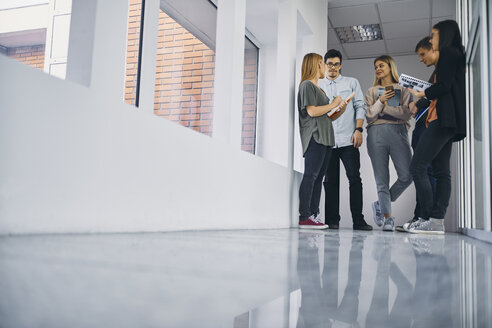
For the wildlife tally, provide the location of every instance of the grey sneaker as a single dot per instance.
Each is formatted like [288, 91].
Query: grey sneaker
[378, 216]
[411, 223]
[431, 226]
[389, 224]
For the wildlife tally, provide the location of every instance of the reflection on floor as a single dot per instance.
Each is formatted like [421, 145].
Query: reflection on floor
[254, 278]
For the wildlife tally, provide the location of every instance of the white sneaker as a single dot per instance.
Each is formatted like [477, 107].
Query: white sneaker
[431, 226]
[389, 224]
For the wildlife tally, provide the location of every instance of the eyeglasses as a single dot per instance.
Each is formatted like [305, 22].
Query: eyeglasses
[335, 65]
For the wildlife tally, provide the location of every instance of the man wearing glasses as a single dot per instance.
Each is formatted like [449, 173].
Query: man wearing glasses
[348, 139]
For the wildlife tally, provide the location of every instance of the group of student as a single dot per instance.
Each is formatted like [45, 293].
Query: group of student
[332, 110]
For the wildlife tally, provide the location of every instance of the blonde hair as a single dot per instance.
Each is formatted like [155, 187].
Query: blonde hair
[309, 68]
[393, 70]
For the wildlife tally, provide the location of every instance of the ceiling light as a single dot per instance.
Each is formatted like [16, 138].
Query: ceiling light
[359, 33]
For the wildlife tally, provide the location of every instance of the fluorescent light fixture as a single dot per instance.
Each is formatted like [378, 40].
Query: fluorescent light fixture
[359, 33]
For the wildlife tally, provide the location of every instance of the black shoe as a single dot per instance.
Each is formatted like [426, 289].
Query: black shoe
[333, 226]
[362, 225]
[400, 229]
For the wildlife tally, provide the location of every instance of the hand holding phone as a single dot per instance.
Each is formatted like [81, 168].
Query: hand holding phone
[387, 94]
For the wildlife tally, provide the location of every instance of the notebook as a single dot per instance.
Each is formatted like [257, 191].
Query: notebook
[408, 81]
[393, 101]
[337, 109]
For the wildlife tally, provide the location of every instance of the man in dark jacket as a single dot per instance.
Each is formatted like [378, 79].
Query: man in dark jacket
[429, 57]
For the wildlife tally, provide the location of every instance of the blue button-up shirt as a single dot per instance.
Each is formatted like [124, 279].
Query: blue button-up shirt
[344, 126]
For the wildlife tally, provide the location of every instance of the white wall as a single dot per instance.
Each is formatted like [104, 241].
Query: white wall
[75, 161]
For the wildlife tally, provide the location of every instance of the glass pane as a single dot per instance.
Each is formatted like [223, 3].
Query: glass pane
[36, 33]
[249, 97]
[32, 55]
[132, 52]
[477, 137]
[184, 84]
[23, 31]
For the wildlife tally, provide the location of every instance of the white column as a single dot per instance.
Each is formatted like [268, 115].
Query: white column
[81, 42]
[229, 71]
[104, 30]
[286, 65]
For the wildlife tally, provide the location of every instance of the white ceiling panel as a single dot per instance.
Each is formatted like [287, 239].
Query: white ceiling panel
[406, 29]
[365, 49]
[332, 37]
[443, 8]
[403, 23]
[355, 15]
[403, 45]
[404, 10]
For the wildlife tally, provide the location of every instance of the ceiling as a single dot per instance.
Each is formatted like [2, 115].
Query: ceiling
[403, 23]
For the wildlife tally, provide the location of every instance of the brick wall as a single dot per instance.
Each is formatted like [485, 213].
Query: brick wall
[184, 77]
[184, 85]
[248, 134]
[30, 55]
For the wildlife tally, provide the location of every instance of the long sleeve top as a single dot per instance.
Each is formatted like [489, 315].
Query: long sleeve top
[379, 113]
[344, 126]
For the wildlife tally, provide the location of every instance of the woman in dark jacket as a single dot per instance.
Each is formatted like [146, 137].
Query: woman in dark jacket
[446, 123]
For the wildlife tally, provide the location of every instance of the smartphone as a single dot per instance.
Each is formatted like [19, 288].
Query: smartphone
[389, 88]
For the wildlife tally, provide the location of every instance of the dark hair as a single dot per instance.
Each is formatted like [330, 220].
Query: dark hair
[449, 35]
[424, 44]
[332, 53]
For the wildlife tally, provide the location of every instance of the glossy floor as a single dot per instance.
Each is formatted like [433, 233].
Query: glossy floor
[239, 279]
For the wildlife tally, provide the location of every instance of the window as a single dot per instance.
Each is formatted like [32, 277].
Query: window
[184, 84]
[185, 67]
[23, 32]
[133, 52]
[248, 134]
[37, 33]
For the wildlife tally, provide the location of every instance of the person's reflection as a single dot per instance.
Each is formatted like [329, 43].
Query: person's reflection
[426, 305]
[378, 315]
[320, 296]
[432, 295]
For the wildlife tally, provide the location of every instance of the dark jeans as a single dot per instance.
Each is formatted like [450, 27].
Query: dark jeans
[416, 135]
[434, 148]
[350, 158]
[316, 161]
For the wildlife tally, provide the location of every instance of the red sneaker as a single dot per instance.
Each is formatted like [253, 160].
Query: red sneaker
[312, 223]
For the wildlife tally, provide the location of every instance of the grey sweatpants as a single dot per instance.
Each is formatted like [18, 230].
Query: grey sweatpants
[383, 141]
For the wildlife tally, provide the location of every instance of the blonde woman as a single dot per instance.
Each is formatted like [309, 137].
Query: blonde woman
[387, 116]
[317, 138]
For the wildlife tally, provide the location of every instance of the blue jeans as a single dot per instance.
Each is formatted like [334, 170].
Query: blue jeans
[316, 161]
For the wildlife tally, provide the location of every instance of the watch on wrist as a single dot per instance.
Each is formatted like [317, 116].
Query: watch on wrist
[358, 129]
